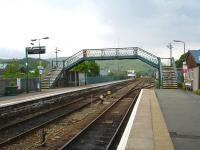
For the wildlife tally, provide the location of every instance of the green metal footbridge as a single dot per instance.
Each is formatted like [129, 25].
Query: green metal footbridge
[107, 54]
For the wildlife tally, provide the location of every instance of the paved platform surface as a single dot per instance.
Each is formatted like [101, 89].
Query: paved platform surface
[10, 100]
[182, 115]
[146, 129]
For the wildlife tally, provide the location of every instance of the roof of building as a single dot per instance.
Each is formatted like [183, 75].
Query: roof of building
[196, 55]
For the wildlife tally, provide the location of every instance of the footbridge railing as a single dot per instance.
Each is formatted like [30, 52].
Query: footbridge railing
[110, 53]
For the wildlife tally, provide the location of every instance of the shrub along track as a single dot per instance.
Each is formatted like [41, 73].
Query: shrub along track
[10, 134]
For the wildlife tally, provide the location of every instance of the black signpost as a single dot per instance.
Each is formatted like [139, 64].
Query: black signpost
[36, 50]
[29, 51]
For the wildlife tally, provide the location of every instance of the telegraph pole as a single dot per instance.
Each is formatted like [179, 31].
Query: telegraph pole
[170, 46]
[56, 51]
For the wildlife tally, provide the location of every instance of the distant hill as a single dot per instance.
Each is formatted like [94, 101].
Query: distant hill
[124, 65]
[113, 65]
[59, 59]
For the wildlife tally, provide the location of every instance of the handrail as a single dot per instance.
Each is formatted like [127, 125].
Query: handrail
[58, 64]
[175, 69]
[46, 70]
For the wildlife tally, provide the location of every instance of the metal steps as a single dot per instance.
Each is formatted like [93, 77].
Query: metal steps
[169, 77]
[48, 80]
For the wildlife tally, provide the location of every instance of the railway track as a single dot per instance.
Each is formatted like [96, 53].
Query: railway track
[103, 133]
[18, 130]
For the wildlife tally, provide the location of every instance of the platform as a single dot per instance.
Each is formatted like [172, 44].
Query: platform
[146, 128]
[181, 110]
[11, 100]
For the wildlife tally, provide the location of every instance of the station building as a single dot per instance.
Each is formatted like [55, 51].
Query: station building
[193, 64]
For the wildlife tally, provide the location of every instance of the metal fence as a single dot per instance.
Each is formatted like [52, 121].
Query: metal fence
[33, 85]
[93, 80]
[100, 79]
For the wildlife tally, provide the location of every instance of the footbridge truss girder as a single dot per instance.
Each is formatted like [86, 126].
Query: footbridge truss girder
[111, 54]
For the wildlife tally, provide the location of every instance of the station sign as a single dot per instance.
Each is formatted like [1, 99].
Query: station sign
[36, 50]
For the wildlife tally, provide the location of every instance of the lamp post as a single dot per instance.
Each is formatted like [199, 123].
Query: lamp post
[56, 51]
[178, 41]
[33, 40]
[45, 38]
[170, 46]
[184, 61]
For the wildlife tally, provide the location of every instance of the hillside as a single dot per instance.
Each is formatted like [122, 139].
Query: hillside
[112, 65]
[124, 65]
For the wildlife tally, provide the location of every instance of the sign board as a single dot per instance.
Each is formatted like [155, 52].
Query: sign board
[185, 69]
[18, 83]
[36, 50]
[41, 71]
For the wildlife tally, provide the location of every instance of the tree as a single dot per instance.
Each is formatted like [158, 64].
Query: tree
[179, 62]
[89, 67]
[12, 71]
[16, 70]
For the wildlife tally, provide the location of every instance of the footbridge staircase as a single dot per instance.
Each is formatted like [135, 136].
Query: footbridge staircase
[58, 67]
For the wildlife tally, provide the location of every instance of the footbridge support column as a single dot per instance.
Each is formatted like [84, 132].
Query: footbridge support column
[160, 72]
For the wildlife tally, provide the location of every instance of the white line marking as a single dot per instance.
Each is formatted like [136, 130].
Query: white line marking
[124, 139]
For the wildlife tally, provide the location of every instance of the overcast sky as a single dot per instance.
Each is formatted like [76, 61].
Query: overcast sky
[73, 25]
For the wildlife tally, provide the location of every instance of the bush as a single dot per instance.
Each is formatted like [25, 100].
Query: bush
[157, 85]
[180, 85]
[183, 86]
[198, 92]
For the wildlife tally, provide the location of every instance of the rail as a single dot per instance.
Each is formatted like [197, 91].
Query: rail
[63, 110]
[100, 122]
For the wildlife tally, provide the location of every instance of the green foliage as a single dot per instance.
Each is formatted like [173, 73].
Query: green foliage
[33, 74]
[117, 73]
[89, 67]
[156, 83]
[12, 71]
[180, 85]
[33, 63]
[14, 66]
[138, 75]
[179, 62]
[12, 83]
[197, 92]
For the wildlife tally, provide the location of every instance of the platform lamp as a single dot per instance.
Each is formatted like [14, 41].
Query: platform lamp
[184, 61]
[45, 38]
[178, 41]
